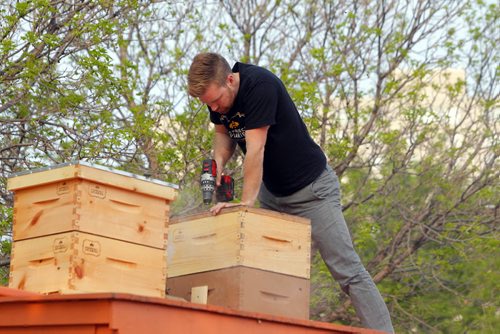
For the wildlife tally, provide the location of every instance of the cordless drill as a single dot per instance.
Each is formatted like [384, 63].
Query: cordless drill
[225, 192]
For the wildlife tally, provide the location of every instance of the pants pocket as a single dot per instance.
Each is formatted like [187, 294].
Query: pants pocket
[325, 185]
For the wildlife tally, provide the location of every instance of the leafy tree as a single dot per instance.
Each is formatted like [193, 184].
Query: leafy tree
[5, 244]
[415, 143]
[57, 86]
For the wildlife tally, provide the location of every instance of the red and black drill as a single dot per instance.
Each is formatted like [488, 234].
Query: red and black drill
[224, 193]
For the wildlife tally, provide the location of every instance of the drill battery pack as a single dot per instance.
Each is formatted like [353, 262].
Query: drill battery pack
[225, 192]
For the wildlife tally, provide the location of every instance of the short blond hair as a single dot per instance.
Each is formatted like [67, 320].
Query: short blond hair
[205, 69]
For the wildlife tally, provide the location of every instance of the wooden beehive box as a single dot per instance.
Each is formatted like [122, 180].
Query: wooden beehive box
[94, 199]
[74, 262]
[248, 289]
[239, 236]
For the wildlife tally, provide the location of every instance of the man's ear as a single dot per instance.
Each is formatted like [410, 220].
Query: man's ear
[230, 78]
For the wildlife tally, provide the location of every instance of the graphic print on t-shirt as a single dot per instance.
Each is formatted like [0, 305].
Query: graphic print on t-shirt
[235, 125]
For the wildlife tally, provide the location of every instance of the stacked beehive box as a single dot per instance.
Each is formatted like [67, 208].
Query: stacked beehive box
[250, 259]
[86, 228]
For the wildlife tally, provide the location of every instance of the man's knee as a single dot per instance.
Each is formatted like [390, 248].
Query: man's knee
[360, 277]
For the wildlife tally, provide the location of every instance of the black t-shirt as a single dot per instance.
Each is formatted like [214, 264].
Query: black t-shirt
[292, 159]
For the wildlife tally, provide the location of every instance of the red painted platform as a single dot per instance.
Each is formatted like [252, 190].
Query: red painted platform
[111, 313]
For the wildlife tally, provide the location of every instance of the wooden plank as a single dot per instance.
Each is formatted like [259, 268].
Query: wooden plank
[121, 214]
[129, 183]
[46, 209]
[60, 329]
[8, 292]
[275, 244]
[203, 244]
[48, 176]
[199, 294]
[80, 262]
[41, 265]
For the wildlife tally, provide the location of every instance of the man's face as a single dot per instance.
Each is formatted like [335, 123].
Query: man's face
[220, 98]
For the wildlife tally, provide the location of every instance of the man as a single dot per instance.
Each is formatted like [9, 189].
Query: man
[283, 167]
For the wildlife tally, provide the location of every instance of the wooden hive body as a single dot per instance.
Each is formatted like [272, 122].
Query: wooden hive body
[239, 236]
[74, 262]
[94, 200]
[248, 289]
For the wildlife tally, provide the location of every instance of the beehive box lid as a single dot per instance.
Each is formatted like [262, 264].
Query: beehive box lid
[97, 173]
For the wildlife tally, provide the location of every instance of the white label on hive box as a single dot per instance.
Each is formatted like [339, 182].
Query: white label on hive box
[60, 245]
[62, 188]
[91, 247]
[96, 190]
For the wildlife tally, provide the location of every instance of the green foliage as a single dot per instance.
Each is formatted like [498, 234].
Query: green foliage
[5, 241]
[465, 295]
[326, 294]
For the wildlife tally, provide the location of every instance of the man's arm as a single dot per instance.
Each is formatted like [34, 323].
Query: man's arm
[253, 165]
[224, 148]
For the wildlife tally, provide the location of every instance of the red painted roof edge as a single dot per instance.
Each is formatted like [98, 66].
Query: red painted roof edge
[8, 295]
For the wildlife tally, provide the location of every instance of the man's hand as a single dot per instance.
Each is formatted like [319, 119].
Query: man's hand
[219, 206]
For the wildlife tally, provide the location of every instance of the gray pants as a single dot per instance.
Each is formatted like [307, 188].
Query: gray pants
[320, 202]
